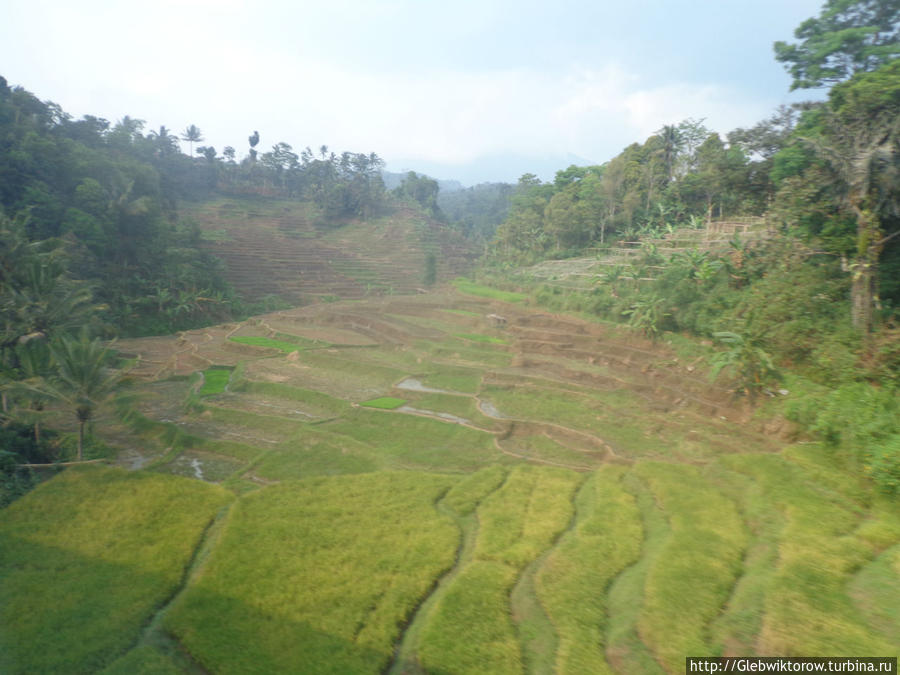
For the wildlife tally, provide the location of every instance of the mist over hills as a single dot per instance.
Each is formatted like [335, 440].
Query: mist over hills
[495, 168]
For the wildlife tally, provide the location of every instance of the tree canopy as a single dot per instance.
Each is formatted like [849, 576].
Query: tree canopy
[848, 37]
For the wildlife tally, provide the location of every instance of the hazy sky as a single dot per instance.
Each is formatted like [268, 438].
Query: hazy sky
[474, 90]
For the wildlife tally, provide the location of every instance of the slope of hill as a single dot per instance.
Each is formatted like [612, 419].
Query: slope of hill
[280, 248]
[457, 483]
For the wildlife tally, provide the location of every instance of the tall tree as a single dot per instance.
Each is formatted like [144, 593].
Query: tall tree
[860, 144]
[848, 37]
[83, 380]
[192, 134]
[672, 142]
[165, 142]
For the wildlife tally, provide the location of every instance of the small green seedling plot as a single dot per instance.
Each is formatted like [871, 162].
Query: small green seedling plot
[471, 288]
[215, 380]
[317, 576]
[384, 403]
[292, 344]
[87, 558]
[487, 339]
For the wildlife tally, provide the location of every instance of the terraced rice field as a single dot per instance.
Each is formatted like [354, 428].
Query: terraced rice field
[274, 248]
[408, 485]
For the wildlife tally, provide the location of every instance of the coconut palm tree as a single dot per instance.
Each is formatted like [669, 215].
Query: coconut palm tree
[192, 134]
[165, 142]
[82, 381]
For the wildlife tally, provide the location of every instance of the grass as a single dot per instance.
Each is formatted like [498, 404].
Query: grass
[384, 403]
[87, 558]
[465, 496]
[691, 579]
[471, 288]
[470, 629]
[625, 651]
[462, 380]
[321, 572]
[487, 339]
[414, 442]
[822, 543]
[317, 402]
[572, 583]
[316, 453]
[463, 312]
[461, 352]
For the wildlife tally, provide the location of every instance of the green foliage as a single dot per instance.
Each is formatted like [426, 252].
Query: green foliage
[750, 363]
[83, 379]
[477, 211]
[646, 314]
[884, 464]
[848, 36]
[422, 189]
[862, 421]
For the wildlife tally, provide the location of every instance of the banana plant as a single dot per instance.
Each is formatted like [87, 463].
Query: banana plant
[747, 360]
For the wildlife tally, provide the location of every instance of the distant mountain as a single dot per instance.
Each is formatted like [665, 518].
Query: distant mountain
[497, 168]
[393, 180]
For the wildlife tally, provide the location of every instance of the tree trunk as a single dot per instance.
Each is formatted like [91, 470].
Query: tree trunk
[864, 289]
[862, 295]
[80, 439]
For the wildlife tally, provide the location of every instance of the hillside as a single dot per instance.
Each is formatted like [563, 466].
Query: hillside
[281, 248]
[450, 482]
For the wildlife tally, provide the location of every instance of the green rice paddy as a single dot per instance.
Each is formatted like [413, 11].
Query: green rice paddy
[384, 403]
[441, 505]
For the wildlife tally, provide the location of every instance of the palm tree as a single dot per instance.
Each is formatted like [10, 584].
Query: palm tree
[82, 381]
[165, 142]
[35, 364]
[192, 134]
[671, 145]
